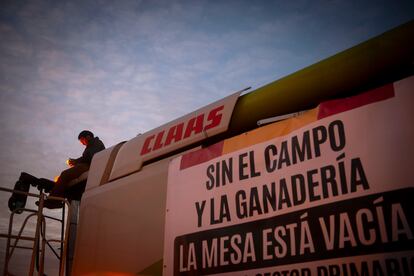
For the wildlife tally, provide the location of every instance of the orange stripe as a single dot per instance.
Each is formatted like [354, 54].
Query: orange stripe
[268, 132]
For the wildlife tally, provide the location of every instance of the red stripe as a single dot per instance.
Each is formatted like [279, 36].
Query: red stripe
[332, 107]
[202, 155]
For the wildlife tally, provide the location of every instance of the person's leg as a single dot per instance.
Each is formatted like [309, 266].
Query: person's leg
[45, 184]
[67, 176]
[40, 183]
[28, 178]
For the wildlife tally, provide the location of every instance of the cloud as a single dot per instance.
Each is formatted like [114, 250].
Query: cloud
[66, 66]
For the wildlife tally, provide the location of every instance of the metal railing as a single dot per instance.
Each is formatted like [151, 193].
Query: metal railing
[39, 239]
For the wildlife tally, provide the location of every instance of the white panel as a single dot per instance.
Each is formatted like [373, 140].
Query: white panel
[196, 126]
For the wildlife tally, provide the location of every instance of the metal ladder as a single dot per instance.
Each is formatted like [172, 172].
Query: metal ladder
[40, 239]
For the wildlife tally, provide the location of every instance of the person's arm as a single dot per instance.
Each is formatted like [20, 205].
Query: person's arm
[89, 152]
[85, 158]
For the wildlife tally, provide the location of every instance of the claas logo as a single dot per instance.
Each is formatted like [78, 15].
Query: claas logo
[183, 130]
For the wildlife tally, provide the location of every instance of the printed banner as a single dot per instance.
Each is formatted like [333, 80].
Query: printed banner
[328, 192]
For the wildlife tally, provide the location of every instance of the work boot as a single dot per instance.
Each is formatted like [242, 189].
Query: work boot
[17, 200]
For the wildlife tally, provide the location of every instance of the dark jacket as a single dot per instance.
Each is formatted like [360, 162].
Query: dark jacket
[95, 145]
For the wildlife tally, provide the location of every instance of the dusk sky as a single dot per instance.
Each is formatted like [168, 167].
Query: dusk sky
[120, 68]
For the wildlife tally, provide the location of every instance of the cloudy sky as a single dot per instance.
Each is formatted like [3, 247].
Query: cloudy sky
[120, 68]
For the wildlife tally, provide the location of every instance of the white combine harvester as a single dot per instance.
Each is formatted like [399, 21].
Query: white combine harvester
[309, 175]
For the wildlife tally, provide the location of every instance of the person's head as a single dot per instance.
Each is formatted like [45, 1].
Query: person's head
[85, 136]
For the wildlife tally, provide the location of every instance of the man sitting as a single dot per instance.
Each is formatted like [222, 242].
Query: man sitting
[77, 168]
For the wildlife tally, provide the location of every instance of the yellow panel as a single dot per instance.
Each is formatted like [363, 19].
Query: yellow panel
[270, 131]
[378, 61]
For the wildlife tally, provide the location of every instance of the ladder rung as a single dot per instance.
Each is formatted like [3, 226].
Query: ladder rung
[17, 237]
[23, 247]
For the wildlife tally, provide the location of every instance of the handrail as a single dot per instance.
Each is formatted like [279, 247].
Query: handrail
[40, 233]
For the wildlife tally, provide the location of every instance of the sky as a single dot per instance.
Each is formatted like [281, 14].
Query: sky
[120, 68]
